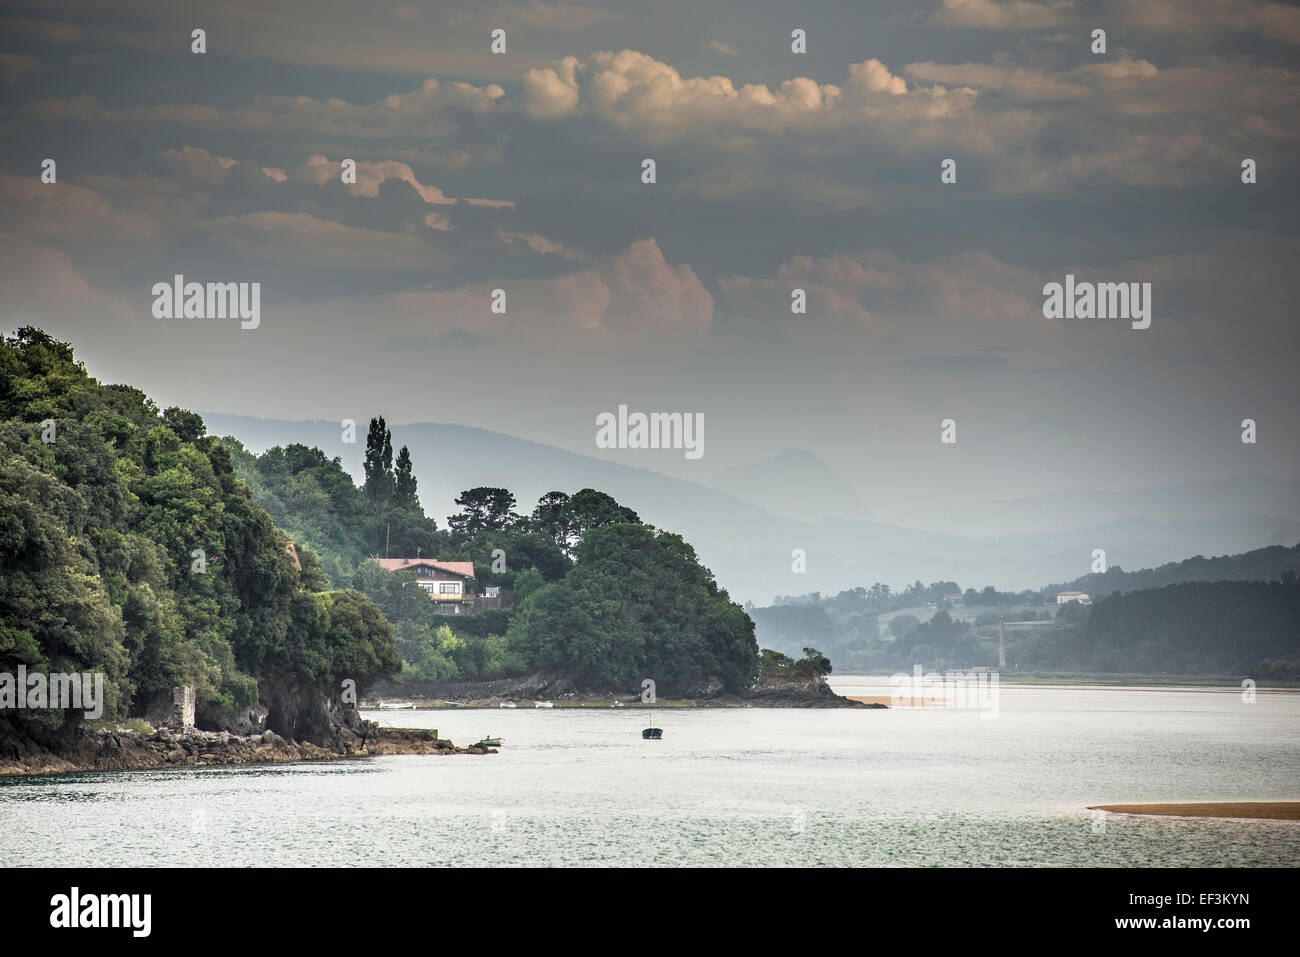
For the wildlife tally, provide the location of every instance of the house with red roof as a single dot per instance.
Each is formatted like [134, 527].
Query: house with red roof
[450, 584]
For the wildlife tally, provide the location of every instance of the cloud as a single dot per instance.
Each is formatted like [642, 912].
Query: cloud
[64, 210]
[635, 296]
[402, 38]
[1008, 15]
[717, 46]
[14, 65]
[1018, 83]
[42, 286]
[1181, 18]
[1274, 21]
[320, 170]
[540, 244]
[561, 16]
[872, 76]
[954, 363]
[299, 239]
[431, 110]
[647, 294]
[870, 289]
[634, 91]
[552, 92]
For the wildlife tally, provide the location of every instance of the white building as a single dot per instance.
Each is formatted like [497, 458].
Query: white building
[1065, 597]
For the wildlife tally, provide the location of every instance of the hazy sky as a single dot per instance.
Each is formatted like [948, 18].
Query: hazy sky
[775, 170]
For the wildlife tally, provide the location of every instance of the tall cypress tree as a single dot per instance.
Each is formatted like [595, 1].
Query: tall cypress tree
[404, 482]
[388, 465]
[378, 464]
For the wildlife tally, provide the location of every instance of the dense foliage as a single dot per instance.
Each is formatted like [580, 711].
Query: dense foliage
[593, 583]
[1234, 628]
[1259, 565]
[128, 546]
[1194, 626]
[638, 605]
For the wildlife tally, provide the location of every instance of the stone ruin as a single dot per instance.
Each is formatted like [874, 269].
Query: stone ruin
[176, 712]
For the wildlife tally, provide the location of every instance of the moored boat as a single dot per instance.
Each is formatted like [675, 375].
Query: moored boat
[490, 742]
[653, 734]
[543, 704]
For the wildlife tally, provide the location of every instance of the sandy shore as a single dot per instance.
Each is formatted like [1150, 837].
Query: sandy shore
[1271, 810]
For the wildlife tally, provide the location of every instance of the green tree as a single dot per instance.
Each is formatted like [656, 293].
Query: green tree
[482, 509]
[378, 462]
[404, 493]
[130, 547]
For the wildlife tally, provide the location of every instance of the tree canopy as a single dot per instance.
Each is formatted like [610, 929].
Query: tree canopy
[129, 546]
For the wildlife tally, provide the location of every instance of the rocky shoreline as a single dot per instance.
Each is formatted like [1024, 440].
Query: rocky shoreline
[564, 693]
[119, 750]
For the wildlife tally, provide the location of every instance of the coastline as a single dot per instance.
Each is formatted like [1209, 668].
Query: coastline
[561, 691]
[156, 750]
[772, 699]
[1228, 810]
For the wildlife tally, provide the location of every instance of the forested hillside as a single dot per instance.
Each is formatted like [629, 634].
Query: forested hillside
[603, 598]
[129, 546]
[1261, 564]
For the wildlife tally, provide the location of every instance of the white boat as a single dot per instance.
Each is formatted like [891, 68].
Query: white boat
[508, 704]
[396, 705]
[543, 704]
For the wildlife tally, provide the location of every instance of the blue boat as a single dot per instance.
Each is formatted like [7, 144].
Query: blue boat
[653, 734]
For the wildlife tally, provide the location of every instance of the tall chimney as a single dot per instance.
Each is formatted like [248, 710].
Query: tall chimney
[1002, 646]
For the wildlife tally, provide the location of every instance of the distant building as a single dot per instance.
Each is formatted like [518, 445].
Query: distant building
[954, 597]
[1065, 597]
[448, 583]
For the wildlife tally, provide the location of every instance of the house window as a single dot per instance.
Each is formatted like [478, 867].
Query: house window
[449, 588]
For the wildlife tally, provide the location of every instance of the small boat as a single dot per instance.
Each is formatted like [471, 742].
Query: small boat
[490, 743]
[543, 704]
[508, 704]
[653, 734]
[396, 705]
[450, 704]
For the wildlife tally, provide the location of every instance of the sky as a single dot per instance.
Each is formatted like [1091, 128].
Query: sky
[775, 170]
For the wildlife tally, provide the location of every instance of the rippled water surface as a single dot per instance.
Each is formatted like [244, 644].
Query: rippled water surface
[744, 787]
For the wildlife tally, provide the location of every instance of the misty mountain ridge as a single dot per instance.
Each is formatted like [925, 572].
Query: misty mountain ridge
[822, 493]
[750, 548]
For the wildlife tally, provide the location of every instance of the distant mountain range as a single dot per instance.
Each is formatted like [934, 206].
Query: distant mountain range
[1261, 495]
[749, 548]
[772, 485]
[1262, 565]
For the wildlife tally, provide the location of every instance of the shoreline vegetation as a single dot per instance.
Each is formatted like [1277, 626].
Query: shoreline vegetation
[135, 749]
[1234, 810]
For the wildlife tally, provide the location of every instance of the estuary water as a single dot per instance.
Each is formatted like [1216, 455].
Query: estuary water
[732, 787]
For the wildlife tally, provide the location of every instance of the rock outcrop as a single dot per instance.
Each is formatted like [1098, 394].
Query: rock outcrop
[142, 750]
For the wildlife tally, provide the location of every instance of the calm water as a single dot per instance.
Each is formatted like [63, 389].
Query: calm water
[902, 787]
